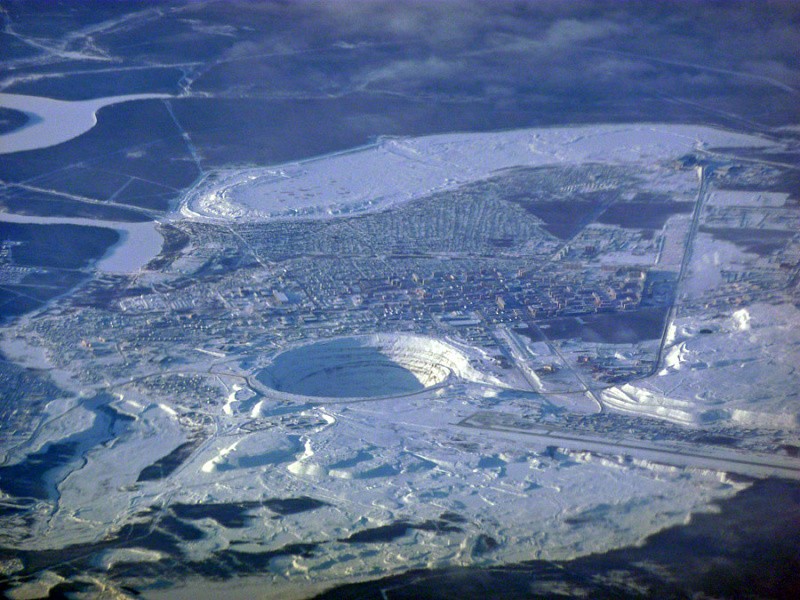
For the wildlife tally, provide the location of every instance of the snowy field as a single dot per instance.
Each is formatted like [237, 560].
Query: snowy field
[313, 420]
[396, 170]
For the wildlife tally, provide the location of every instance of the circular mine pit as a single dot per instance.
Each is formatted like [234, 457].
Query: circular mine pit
[371, 366]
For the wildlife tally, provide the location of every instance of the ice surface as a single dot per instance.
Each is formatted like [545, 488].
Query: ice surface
[55, 121]
[139, 242]
[397, 170]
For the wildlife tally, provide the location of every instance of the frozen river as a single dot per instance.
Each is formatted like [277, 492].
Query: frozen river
[139, 242]
[53, 122]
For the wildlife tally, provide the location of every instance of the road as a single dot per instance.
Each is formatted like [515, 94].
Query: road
[687, 257]
[676, 453]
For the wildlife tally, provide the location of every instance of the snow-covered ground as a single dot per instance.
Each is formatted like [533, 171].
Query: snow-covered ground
[374, 461]
[739, 367]
[397, 170]
[734, 361]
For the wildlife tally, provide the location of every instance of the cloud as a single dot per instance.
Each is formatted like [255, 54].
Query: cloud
[567, 32]
[616, 68]
[397, 21]
[774, 69]
[412, 70]
[599, 51]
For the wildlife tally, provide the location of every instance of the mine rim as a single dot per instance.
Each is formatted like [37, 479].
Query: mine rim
[450, 376]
